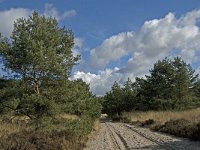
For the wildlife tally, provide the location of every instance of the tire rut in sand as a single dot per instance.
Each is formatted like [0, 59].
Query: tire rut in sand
[116, 138]
[120, 136]
[160, 142]
[133, 140]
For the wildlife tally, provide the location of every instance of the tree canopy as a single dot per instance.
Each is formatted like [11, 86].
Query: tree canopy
[39, 54]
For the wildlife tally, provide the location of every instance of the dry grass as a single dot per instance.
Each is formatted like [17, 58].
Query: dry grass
[67, 117]
[97, 125]
[8, 128]
[39, 140]
[13, 125]
[16, 133]
[96, 129]
[180, 123]
[192, 115]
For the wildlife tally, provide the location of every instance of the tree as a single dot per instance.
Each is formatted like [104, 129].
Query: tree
[196, 88]
[142, 94]
[161, 79]
[119, 99]
[184, 80]
[39, 49]
[80, 100]
[113, 103]
[129, 93]
[169, 83]
[6, 93]
[39, 53]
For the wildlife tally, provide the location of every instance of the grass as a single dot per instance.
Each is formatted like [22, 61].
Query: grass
[67, 117]
[180, 123]
[66, 132]
[192, 115]
[8, 128]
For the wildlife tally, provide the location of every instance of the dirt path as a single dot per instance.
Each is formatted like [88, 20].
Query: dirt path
[120, 136]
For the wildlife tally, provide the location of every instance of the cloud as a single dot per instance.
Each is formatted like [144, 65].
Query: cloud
[111, 49]
[156, 39]
[10, 15]
[168, 36]
[101, 82]
[78, 46]
[50, 10]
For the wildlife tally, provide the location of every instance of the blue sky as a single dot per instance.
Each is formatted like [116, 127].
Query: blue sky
[118, 39]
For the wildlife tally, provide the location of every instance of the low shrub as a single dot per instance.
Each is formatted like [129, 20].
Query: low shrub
[147, 122]
[181, 128]
[185, 123]
[38, 140]
[125, 120]
[46, 134]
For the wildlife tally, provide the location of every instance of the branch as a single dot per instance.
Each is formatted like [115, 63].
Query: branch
[17, 111]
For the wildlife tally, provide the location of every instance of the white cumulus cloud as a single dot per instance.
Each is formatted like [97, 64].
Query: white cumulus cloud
[111, 49]
[7, 17]
[158, 38]
[101, 82]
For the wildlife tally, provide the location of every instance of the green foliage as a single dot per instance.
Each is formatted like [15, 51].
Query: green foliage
[39, 49]
[196, 88]
[119, 99]
[8, 92]
[171, 84]
[113, 103]
[80, 100]
[39, 54]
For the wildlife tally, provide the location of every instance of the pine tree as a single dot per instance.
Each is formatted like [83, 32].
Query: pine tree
[39, 54]
[114, 100]
[169, 84]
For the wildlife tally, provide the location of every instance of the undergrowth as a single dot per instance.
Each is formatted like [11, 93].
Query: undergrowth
[179, 123]
[45, 134]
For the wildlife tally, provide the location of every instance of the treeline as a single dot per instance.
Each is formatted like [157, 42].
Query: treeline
[170, 85]
[39, 58]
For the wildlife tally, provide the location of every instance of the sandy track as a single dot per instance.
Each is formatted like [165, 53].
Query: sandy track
[120, 136]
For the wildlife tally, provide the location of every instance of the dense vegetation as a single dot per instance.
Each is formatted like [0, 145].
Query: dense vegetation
[38, 58]
[170, 85]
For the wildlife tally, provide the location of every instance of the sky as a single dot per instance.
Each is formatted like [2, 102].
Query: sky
[118, 39]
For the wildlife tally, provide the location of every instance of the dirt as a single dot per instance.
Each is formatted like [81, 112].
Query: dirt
[120, 136]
